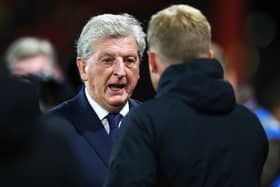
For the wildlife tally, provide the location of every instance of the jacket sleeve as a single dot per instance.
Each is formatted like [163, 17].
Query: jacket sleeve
[133, 162]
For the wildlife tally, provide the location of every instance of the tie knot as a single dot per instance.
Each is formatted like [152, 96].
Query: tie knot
[114, 119]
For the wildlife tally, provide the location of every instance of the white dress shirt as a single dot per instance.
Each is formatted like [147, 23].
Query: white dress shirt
[102, 113]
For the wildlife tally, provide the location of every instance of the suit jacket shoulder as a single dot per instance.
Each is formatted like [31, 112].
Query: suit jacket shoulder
[87, 137]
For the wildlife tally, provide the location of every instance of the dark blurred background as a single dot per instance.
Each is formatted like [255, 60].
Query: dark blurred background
[248, 30]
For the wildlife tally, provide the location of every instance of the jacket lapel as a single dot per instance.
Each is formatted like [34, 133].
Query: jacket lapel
[88, 124]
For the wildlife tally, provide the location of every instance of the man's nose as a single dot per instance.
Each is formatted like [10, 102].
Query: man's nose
[119, 68]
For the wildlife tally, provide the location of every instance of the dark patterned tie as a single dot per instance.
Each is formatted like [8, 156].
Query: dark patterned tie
[114, 120]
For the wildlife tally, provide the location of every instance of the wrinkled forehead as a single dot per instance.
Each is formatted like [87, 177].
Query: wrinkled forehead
[112, 44]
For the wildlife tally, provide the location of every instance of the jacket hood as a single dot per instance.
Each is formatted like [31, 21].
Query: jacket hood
[200, 84]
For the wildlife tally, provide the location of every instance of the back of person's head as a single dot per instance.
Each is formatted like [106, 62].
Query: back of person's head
[179, 33]
[109, 25]
[28, 47]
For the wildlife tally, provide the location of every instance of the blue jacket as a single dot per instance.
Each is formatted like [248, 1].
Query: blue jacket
[89, 142]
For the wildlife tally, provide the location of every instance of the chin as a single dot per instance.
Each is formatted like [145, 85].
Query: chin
[118, 100]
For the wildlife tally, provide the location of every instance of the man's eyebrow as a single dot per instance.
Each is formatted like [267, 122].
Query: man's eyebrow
[134, 55]
[106, 54]
[130, 56]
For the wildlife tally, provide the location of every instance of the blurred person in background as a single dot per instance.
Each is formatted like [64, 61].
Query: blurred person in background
[35, 60]
[193, 133]
[244, 93]
[109, 50]
[32, 154]
[266, 86]
[262, 96]
[229, 73]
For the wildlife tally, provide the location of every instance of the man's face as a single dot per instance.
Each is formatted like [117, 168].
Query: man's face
[112, 72]
[33, 65]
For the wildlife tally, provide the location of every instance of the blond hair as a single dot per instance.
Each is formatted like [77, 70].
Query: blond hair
[179, 33]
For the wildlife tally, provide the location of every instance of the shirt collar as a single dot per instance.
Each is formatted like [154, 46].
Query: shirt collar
[100, 111]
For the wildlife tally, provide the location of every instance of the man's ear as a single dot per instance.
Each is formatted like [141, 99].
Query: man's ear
[211, 54]
[152, 62]
[81, 64]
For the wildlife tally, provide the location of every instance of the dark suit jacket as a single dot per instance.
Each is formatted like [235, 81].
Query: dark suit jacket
[90, 144]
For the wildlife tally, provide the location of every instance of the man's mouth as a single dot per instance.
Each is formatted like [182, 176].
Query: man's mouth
[116, 87]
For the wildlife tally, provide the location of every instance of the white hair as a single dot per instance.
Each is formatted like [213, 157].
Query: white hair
[108, 25]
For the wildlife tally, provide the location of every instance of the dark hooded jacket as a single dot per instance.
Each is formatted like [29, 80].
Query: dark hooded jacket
[193, 134]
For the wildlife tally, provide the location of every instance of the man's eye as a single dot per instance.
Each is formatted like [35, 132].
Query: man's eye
[130, 61]
[108, 60]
